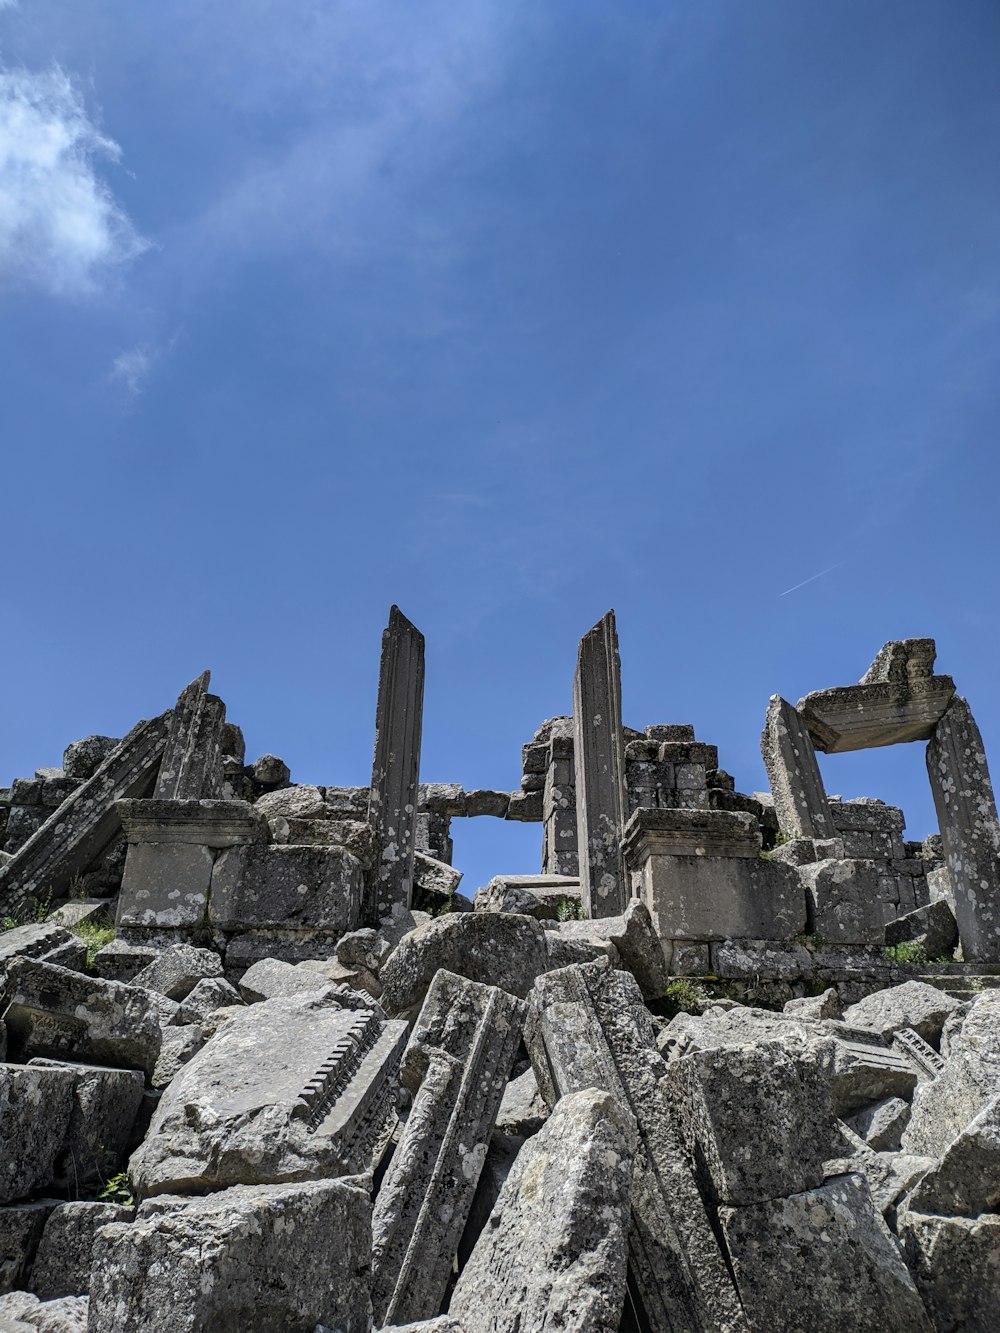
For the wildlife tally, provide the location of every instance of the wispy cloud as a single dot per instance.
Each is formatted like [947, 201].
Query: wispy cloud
[61, 228]
[131, 370]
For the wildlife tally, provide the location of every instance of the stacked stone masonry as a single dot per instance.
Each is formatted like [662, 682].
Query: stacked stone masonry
[729, 1061]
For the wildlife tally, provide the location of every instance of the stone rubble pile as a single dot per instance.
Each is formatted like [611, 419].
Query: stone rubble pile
[729, 1062]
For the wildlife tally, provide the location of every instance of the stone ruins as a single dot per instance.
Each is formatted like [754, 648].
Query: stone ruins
[729, 1062]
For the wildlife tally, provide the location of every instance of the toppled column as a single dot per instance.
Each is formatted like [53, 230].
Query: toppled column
[456, 1064]
[548, 1258]
[81, 828]
[392, 808]
[588, 1028]
[599, 756]
[191, 768]
[967, 816]
[796, 784]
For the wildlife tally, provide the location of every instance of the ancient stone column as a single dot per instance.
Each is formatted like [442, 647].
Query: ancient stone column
[191, 769]
[599, 758]
[796, 784]
[392, 808]
[970, 834]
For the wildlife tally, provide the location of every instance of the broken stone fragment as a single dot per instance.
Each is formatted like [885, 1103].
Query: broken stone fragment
[23, 1312]
[52, 1011]
[933, 927]
[45, 940]
[191, 768]
[270, 771]
[635, 941]
[210, 994]
[554, 1251]
[105, 1105]
[914, 1005]
[881, 1126]
[81, 759]
[272, 979]
[823, 1258]
[942, 1107]
[456, 1065]
[21, 1226]
[954, 1263]
[826, 1005]
[62, 1264]
[300, 802]
[35, 1109]
[118, 960]
[547, 897]
[180, 1043]
[286, 1089]
[523, 1110]
[796, 784]
[435, 876]
[177, 970]
[251, 1258]
[966, 1181]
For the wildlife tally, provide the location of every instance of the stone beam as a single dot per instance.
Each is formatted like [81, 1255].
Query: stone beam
[599, 761]
[967, 817]
[80, 828]
[796, 784]
[456, 1064]
[191, 769]
[392, 808]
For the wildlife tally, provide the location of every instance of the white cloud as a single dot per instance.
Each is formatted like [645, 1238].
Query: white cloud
[60, 226]
[131, 369]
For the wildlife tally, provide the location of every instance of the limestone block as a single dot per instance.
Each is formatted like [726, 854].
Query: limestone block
[192, 758]
[165, 885]
[932, 926]
[634, 939]
[956, 1264]
[23, 1312]
[35, 1109]
[270, 979]
[847, 902]
[82, 758]
[823, 1258]
[540, 896]
[435, 876]
[301, 887]
[523, 1110]
[105, 1105]
[54, 1012]
[205, 997]
[565, 950]
[966, 1181]
[881, 1125]
[796, 784]
[177, 970]
[498, 949]
[456, 1063]
[359, 980]
[286, 1089]
[942, 1107]
[45, 940]
[554, 1251]
[890, 1176]
[756, 1120]
[826, 1005]
[862, 717]
[914, 1005]
[253, 1258]
[299, 802]
[118, 960]
[62, 1264]
[689, 959]
[588, 1028]
[21, 1226]
[746, 959]
[181, 1042]
[292, 945]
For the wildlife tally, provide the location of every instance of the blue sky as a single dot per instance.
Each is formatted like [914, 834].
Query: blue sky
[508, 313]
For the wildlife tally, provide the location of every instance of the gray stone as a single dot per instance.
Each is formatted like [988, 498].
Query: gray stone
[599, 758]
[119, 960]
[54, 1012]
[299, 802]
[62, 1264]
[750, 960]
[181, 1041]
[493, 803]
[846, 902]
[252, 1259]
[823, 1258]
[589, 1028]
[392, 809]
[634, 939]
[881, 1125]
[105, 1105]
[286, 1089]
[546, 897]
[548, 1257]
[76, 912]
[365, 985]
[456, 1064]
[192, 759]
[367, 948]
[523, 1110]
[932, 926]
[270, 771]
[942, 1107]
[970, 834]
[177, 970]
[210, 994]
[81, 759]
[292, 887]
[435, 876]
[914, 1005]
[890, 1175]
[85, 823]
[45, 940]
[35, 1109]
[756, 1120]
[23, 1312]
[826, 1005]
[272, 979]
[796, 785]
[955, 1263]
[21, 1226]
[966, 1181]
[498, 949]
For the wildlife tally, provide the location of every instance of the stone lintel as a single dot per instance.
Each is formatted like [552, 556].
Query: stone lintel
[863, 717]
[209, 823]
[680, 832]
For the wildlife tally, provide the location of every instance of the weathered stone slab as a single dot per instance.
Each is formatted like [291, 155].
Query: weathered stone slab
[599, 768]
[456, 1063]
[205, 997]
[23, 1312]
[914, 1005]
[44, 940]
[292, 887]
[35, 1109]
[62, 1264]
[846, 903]
[181, 1042]
[547, 1257]
[392, 809]
[192, 759]
[823, 1258]
[796, 784]
[177, 970]
[756, 1121]
[942, 1107]
[119, 960]
[588, 1028]
[86, 822]
[435, 876]
[523, 1110]
[932, 926]
[286, 1089]
[105, 1105]
[21, 1226]
[82, 758]
[970, 834]
[954, 1261]
[542, 896]
[635, 942]
[881, 1125]
[271, 979]
[253, 1258]
[498, 949]
[52, 1011]
[966, 1181]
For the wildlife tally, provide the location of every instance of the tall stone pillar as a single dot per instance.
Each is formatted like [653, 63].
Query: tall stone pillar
[559, 847]
[967, 816]
[392, 806]
[191, 769]
[796, 784]
[599, 757]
